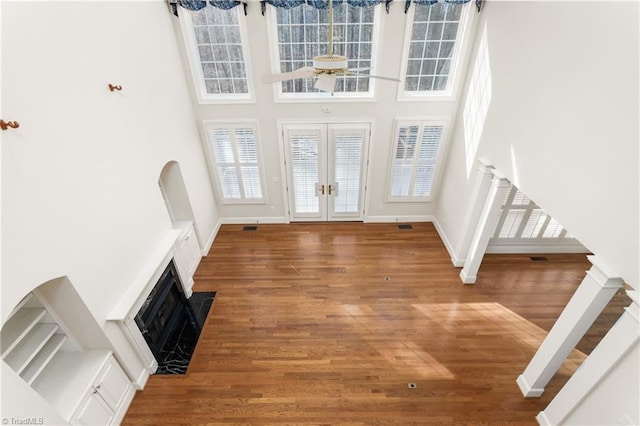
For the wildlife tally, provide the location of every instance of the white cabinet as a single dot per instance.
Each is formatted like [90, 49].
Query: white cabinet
[107, 398]
[187, 250]
[93, 411]
[84, 386]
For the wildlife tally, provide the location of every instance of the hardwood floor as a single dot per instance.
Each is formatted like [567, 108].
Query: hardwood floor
[329, 323]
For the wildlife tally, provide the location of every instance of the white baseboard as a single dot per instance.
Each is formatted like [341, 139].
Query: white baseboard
[526, 389]
[252, 220]
[212, 237]
[141, 381]
[398, 219]
[542, 419]
[124, 406]
[467, 279]
[238, 220]
[458, 263]
[494, 248]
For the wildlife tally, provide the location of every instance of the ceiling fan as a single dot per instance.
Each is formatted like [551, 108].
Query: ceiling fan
[326, 67]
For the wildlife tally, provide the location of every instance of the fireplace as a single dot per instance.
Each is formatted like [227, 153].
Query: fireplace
[166, 319]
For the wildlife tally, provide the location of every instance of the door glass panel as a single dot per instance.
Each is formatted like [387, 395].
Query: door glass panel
[304, 163]
[326, 170]
[348, 165]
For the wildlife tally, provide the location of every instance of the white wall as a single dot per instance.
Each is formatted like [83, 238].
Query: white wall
[21, 402]
[608, 403]
[381, 112]
[563, 121]
[80, 194]
[562, 125]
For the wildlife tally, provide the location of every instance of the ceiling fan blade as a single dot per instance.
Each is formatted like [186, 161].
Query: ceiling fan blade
[326, 82]
[377, 76]
[357, 70]
[303, 72]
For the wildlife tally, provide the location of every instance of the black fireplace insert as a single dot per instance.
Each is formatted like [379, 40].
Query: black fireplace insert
[166, 319]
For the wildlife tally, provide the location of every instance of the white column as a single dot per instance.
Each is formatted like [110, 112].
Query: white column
[479, 193]
[623, 336]
[591, 297]
[486, 227]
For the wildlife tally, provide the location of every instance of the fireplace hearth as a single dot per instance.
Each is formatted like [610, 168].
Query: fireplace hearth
[170, 323]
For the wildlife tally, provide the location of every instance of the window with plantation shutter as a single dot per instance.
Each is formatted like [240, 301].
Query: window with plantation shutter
[416, 156]
[236, 161]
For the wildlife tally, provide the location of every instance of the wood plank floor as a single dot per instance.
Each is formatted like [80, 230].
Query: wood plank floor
[329, 323]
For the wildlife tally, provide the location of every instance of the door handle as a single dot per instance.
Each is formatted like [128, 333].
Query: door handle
[322, 189]
[330, 188]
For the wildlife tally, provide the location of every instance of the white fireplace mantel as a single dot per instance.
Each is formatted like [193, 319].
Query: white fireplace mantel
[123, 314]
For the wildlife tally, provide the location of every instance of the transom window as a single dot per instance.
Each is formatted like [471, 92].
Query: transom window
[303, 32]
[416, 157]
[431, 46]
[235, 157]
[217, 55]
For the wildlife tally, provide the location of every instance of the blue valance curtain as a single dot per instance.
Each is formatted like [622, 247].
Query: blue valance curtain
[288, 4]
[321, 4]
[201, 4]
[430, 2]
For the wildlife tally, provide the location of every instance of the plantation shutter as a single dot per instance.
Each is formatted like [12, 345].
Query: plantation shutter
[235, 151]
[429, 144]
[304, 146]
[348, 147]
[416, 155]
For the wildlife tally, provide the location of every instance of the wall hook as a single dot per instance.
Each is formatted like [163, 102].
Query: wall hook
[113, 87]
[4, 125]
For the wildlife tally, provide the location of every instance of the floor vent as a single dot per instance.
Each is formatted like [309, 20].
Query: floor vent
[250, 228]
[538, 258]
[405, 226]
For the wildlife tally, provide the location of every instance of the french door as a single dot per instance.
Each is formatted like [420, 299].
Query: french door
[326, 170]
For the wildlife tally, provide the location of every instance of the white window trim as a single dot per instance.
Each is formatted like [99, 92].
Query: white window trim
[188, 36]
[467, 19]
[319, 97]
[439, 163]
[207, 124]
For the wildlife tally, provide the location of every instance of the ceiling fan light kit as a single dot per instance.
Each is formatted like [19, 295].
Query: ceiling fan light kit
[326, 82]
[330, 63]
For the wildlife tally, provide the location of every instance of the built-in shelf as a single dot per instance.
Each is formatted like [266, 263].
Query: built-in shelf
[29, 346]
[41, 360]
[84, 386]
[18, 325]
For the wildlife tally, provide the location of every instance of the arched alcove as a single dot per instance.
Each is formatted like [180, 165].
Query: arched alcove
[54, 344]
[175, 194]
[188, 249]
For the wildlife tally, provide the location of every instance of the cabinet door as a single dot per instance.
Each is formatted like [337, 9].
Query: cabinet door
[113, 384]
[93, 411]
[191, 250]
[188, 250]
